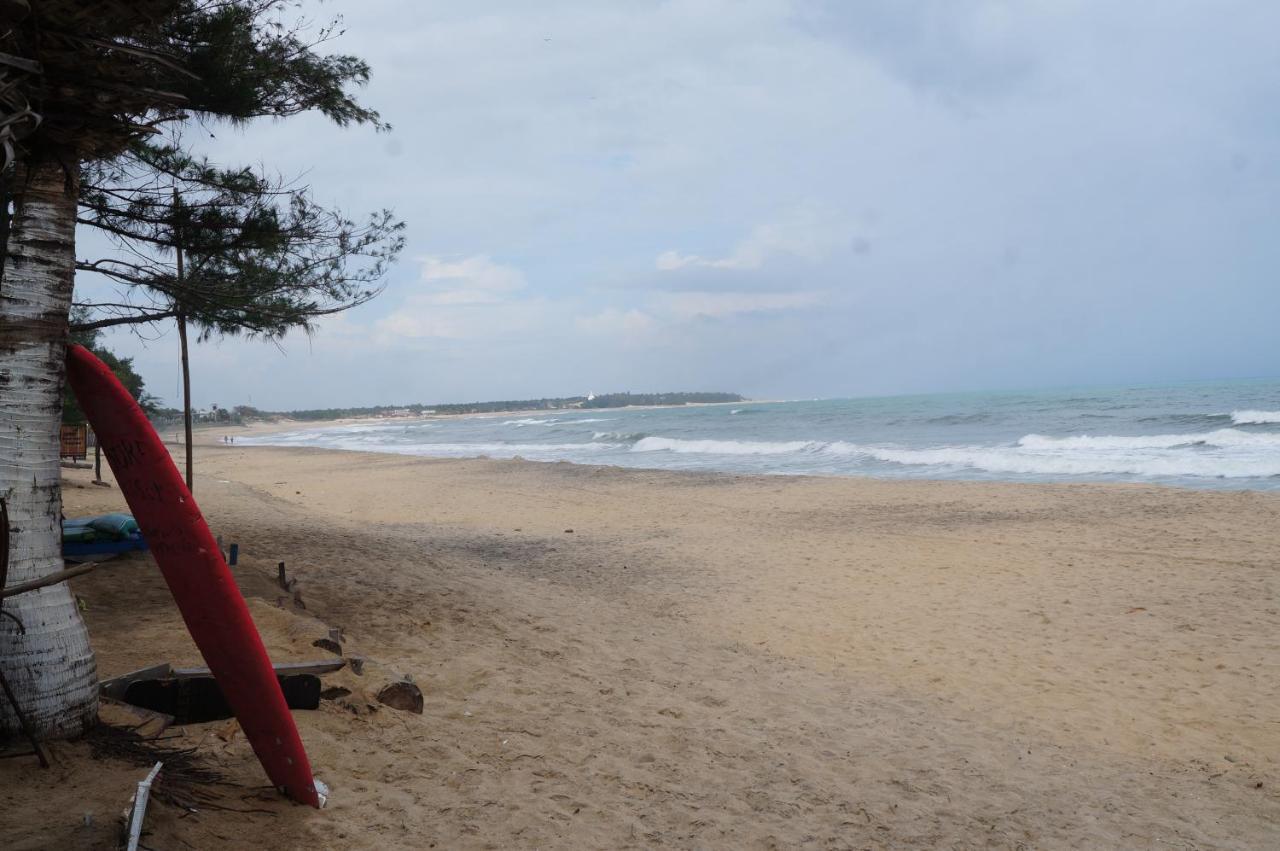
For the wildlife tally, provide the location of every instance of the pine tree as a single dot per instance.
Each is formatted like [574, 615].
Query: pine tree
[82, 80]
[228, 251]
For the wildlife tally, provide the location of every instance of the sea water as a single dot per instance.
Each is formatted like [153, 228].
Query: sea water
[1200, 435]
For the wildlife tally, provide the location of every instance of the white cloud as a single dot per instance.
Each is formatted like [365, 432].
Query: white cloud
[809, 233]
[463, 299]
[471, 280]
[419, 320]
[615, 322]
[717, 305]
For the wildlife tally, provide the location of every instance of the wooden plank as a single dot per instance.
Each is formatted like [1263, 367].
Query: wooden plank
[285, 669]
[115, 687]
[145, 722]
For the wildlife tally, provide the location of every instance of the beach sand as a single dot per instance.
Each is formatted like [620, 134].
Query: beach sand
[625, 658]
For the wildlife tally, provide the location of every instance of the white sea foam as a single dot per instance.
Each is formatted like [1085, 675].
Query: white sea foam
[1222, 437]
[1255, 417]
[1165, 463]
[1225, 453]
[1228, 453]
[551, 451]
[722, 447]
[529, 421]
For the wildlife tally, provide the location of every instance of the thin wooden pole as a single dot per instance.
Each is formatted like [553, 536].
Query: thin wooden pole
[182, 338]
[186, 386]
[23, 723]
[52, 579]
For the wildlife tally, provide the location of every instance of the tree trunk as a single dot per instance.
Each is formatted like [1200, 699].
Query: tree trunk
[186, 395]
[51, 666]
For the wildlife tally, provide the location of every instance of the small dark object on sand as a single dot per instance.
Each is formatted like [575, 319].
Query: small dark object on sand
[404, 696]
[328, 644]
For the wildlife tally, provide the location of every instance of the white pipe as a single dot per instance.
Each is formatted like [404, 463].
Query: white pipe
[140, 808]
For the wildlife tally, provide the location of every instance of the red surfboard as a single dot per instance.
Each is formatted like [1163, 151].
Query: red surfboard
[197, 575]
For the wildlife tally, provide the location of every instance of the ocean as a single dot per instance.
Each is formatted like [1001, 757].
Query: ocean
[1209, 435]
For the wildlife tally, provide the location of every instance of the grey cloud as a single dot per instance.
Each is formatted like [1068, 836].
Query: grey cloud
[1099, 208]
[956, 48]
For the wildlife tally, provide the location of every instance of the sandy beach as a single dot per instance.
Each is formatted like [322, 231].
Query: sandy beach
[625, 659]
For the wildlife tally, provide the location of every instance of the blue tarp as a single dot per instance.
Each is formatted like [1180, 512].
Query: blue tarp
[106, 533]
[90, 548]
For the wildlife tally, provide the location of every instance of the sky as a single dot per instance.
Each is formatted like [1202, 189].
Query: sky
[785, 199]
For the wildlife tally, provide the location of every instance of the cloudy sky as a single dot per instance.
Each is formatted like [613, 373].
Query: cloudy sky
[787, 198]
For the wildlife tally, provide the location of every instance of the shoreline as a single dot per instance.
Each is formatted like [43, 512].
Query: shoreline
[270, 428]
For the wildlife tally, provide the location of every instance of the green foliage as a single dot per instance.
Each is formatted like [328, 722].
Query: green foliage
[246, 61]
[608, 400]
[99, 75]
[317, 414]
[611, 400]
[159, 414]
[623, 400]
[260, 256]
[123, 369]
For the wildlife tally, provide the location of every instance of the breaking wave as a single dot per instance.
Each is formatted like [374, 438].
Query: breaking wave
[1255, 417]
[1223, 437]
[556, 451]
[549, 421]
[721, 447]
[1018, 460]
[625, 436]
[1225, 453]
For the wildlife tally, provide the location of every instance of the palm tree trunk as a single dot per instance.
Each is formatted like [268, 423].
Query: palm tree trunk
[50, 666]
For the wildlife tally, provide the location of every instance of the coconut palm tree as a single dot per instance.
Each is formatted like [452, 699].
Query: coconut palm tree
[44, 647]
[51, 666]
[79, 80]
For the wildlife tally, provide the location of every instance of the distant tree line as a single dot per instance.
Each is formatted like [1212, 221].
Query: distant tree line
[623, 400]
[215, 415]
[608, 400]
[336, 413]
